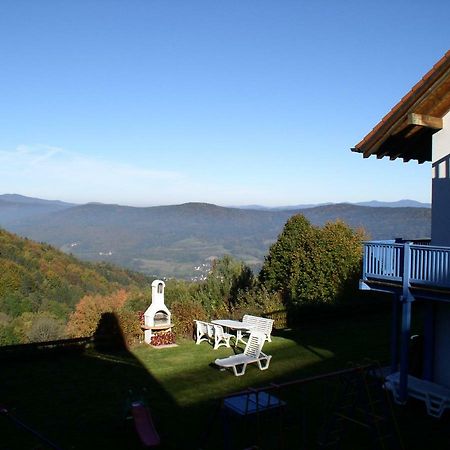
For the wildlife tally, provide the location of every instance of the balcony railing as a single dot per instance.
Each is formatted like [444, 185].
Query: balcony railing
[421, 265]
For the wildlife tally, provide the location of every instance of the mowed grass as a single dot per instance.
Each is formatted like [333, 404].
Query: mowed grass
[79, 401]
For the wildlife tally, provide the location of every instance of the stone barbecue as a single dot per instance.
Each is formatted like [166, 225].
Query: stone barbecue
[157, 318]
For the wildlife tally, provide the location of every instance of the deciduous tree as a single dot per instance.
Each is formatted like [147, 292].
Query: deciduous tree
[227, 278]
[83, 321]
[309, 264]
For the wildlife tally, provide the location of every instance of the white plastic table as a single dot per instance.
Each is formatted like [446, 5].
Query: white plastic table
[234, 325]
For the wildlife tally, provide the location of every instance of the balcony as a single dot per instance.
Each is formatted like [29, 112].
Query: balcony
[413, 265]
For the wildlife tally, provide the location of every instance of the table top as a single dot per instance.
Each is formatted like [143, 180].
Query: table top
[233, 324]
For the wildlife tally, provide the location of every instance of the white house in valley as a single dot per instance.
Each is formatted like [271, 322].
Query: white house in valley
[417, 273]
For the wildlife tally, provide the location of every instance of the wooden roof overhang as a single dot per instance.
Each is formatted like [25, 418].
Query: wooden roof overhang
[406, 131]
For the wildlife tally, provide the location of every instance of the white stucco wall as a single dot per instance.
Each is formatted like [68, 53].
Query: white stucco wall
[441, 140]
[442, 345]
[440, 215]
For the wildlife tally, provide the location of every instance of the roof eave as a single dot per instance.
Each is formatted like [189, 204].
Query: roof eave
[413, 120]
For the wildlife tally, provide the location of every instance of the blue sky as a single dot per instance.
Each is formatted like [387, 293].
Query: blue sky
[148, 102]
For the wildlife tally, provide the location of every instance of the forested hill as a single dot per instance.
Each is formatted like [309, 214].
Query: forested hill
[177, 240]
[15, 207]
[37, 277]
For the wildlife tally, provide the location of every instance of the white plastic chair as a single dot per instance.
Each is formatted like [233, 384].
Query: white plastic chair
[210, 327]
[252, 353]
[258, 324]
[249, 321]
[220, 337]
[201, 331]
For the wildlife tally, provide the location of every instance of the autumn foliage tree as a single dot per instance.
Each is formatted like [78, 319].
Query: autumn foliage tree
[84, 320]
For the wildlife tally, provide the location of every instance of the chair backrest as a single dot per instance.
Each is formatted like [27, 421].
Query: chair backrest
[259, 323]
[218, 331]
[202, 327]
[210, 328]
[250, 320]
[254, 344]
[265, 325]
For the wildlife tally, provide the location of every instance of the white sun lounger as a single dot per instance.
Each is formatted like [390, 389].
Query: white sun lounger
[252, 354]
[435, 396]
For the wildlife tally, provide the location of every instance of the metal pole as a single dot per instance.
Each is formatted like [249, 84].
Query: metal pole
[428, 345]
[394, 333]
[406, 325]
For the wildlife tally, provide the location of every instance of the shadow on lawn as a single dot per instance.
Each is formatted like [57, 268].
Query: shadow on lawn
[333, 343]
[78, 399]
[317, 347]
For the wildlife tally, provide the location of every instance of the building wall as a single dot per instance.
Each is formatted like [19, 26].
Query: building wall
[442, 345]
[440, 235]
[440, 214]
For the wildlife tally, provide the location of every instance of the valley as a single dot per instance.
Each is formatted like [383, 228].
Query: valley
[172, 241]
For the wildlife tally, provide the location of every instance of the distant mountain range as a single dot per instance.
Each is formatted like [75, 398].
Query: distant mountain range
[176, 240]
[373, 203]
[15, 207]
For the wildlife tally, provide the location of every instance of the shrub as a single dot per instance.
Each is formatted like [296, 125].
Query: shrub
[179, 291]
[138, 300]
[130, 325]
[259, 301]
[38, 327]
[84, 320]
[183, 315]
[228, 277]
[46, 328]
[7, 334]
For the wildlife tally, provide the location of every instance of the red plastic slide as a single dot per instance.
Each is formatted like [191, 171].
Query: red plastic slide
[144, 425]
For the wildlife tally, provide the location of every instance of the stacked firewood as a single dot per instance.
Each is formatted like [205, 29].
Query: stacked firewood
[166, 337]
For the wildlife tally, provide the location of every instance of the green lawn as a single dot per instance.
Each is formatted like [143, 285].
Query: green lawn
[78, 401]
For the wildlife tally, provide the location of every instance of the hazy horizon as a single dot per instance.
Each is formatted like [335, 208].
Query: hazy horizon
[299, 203]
